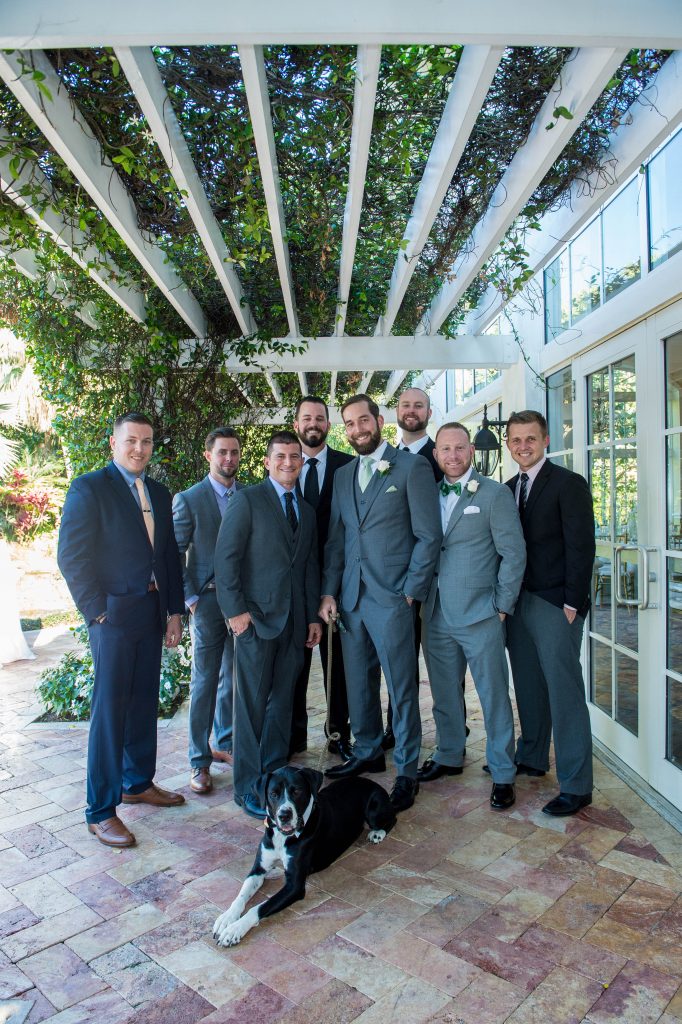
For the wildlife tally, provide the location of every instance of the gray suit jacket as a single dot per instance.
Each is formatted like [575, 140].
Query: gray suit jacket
[482, 557]
[262, 568]
[387, 537]
[196, 520]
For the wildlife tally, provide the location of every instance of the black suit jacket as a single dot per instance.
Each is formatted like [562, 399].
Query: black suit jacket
[558, 525]
[335, 459]
[427, 453]
[104, 552]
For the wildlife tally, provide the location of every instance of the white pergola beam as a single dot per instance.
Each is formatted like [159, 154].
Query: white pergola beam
[144, 76]
[394, 382]
[284, 416]
[332, 387]
[303, 383]
[581, 81]
[69, 238]
[656, 113]
[364, 383]
[366, 79]
[27, 265]
[82, 23]
[275, 388]
[256, 85]
[477, 66]
[68, 133]
[378, 354]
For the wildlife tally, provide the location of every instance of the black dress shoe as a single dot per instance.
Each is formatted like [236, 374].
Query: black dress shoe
[388, 741]
[250, 805]
[526, 769]
[431, 770]
[567, 803]
[342, 747]
[502, 796]
[403, 793]
[356, 766]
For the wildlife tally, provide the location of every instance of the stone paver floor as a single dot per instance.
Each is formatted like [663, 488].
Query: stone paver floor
[462, 916]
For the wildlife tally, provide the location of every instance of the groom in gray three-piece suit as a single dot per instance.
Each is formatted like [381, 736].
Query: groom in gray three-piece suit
[383, 543]
[477, 582]
[197, 514]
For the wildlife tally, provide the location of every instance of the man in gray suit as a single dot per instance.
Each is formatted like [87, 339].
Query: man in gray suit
[475, 587]
[268, 585]
[380, 556]
[197, 513]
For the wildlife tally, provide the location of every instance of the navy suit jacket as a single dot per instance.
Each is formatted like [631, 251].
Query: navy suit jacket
[104, 552]
[558, 527]
[335, 459]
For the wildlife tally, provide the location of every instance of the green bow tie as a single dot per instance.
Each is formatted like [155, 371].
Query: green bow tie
[446, 488]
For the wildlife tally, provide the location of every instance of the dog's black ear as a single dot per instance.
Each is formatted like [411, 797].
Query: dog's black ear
[314, 778]
[260, 789]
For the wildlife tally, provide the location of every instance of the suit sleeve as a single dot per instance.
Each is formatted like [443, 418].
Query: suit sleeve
[577, 523]
[312, 579]
[507, 534]
[176, 597]
[79, 535]
[334, 549]
[183, 525]
[229, 553]
[422, 496]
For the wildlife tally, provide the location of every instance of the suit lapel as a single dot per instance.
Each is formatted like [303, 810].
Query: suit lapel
[377, 483]
[465, 499]
[280, 517]
[211, 503]
[126, 498]
[538, 486]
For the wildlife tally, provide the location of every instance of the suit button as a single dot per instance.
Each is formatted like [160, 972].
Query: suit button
[442, 549]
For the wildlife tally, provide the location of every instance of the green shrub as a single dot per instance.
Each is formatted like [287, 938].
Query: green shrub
[66, 689]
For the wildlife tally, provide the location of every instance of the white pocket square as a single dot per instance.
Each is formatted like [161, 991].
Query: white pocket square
[470, 510]
[390, 489]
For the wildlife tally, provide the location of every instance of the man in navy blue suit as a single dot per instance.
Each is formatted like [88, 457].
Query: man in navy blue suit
[118, 555]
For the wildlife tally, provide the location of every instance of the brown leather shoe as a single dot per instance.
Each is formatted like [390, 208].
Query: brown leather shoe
[201, 781]
[156, 796]
[112, 832]
[225, 756]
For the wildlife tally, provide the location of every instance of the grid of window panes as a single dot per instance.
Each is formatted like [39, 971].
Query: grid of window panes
[605, 258]
[673, 423]
[560, 417]
[468, 382]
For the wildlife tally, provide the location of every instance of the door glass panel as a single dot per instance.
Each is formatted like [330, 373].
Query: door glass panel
[620, 234]
[627, 692]
[598, 405]
[674, 473]
[600, 483]
[624, 395]
[674, 751]
[600, 682]
[586, 272]
[673, 371]
[626, 533]
[674, 660]
[560, 410]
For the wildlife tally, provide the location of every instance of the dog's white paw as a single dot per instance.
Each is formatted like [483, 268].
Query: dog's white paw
[230, 933]
[231, 915]
[377, 835]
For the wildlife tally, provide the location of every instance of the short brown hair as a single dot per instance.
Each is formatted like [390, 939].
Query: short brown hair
[371, 404]
[528, 416]
[454, 426]
[213, 436]
[310, 398]
[282, 437]
[132, 417]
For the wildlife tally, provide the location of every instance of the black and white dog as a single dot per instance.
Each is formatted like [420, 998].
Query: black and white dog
[306, 830]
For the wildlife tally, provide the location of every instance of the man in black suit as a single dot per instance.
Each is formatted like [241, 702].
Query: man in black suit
[544, 635]
[118, 555]
[320, 462]
[268, 587]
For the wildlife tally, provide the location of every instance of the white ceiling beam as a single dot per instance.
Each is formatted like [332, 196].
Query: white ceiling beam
[143, 74]
[364, 383]
[302, 383]
[256, 85]
[70, 239]
[426, 380]
[82, 23]
[68, 133]
[394, 382]
[579, 84]
[275, 388]
[332, 387]
[652, 117]
[26, 263]
[377, 354]
[366, 79]
[475, 72]
[284, 415]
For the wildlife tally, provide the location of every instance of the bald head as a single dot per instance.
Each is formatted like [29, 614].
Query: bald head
[413, 414]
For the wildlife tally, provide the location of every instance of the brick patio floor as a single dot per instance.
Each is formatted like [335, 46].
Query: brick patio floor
[462, 915]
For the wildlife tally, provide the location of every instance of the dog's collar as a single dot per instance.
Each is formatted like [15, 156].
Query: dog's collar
[306, 816]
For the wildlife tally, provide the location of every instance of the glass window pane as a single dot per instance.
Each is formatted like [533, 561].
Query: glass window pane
[674, 474]
[624, 398]
[674, 660]
[620, 239]
[560, 410]
[626, 494]
[600, 676]
[556, 297]
[599, 407]
[562, 460]
[600, 485]
[600, 616]
[627, 692]
[674, 751]
[586, 272]
[665, 202]
[673, 380]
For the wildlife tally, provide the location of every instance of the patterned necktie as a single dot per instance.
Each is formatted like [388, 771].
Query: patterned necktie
[311, 491]
[365, 473]
[523, 494]
[146, 511]
[446, 488]
[291, 511]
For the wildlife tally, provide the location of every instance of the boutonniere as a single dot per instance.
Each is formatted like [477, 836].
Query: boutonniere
[383, 466]
[472, 486]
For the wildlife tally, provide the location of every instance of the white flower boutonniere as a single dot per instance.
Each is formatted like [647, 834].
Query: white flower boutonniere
[383, 467]
[472, 486]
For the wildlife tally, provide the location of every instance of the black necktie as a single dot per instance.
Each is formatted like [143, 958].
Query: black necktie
[291, 511]
[523, 494]
[311, 490]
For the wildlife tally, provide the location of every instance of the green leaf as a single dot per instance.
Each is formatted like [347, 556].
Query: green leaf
[562, 112]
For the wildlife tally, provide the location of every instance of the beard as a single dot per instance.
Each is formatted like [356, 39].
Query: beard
[369, 446]
[227, 474]
[415, 426]
[312, 437]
